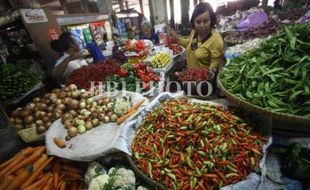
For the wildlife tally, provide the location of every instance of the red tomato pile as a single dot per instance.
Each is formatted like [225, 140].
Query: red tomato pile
[137, 46]
[145, 73]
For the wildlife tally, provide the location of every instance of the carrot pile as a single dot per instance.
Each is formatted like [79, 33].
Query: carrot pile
[32, 169]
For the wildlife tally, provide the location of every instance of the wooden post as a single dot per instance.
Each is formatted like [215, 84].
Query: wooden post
[184, 13]
[166, 12]
[172, 23]
[141, 6]
[126, 5]
[121, 5]
[152, 19]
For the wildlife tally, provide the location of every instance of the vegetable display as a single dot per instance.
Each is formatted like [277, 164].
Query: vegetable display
[117, 178]
[196, 74]
[32, 169]
[295, 160]
[132, 45]
[263, 31]
[242, 48]
[83, 77]
[160, 60]
[293, 14]
[274, 76]
[132, 75]
[42, 112]
[195, 146]
[228, 23]
[15, 82]
[89, 113]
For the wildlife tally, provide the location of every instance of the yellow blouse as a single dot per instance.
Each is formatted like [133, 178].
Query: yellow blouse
[208, 54]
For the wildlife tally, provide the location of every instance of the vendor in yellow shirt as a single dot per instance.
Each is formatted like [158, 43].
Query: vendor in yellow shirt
[204, 46]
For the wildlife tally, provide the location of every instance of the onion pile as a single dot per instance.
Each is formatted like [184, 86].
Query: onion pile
[43, 111]
[88, 113]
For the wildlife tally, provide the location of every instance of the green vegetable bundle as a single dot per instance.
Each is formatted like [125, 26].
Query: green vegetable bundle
[275, 76]
[15, 82]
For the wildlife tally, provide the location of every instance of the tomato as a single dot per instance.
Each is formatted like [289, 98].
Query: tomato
[145, 78]
[122, 72]
[146, 86]
[135, 66]
[142, 65]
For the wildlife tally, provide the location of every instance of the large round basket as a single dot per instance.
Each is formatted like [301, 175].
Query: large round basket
[144, 177]
[232, 42]
[294, 119]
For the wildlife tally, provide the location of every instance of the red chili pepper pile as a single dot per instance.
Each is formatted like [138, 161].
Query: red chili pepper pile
[94, 72]
[177, 49]
[196, 74]
[168, 40]
[195, 146]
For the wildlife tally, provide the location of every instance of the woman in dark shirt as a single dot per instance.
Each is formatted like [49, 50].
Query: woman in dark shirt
[147, 33]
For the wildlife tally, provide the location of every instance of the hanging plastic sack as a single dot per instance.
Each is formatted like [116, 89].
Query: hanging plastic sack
[252, 21]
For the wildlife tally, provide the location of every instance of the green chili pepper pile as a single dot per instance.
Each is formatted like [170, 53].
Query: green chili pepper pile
[274, 76]
[189, 146]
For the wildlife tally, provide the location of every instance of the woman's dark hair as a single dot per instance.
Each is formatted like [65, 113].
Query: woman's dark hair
[200, 9]
[56, 46]
[63, 43]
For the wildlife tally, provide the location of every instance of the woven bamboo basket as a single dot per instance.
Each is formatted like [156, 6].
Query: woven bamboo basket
[143, 176]
[295, 119]
[232, 42]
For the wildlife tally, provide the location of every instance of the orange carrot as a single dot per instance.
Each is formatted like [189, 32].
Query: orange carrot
[37, 172]
[56, 167]
[136, 106]
[31, 159]
[80, 187]
[73, 175]
[25, 152]
[7, 163]
[37, 183]
[124, 117]
[63, 186]
[41, 175]
[7, 180]
[36, 167]
[6, 170]
[18, 180]
[71, 169]
[42, 185]
[49, 184]
[56, 178]
[59, 184]
[59, 142]
[28, 151]
[74, 186]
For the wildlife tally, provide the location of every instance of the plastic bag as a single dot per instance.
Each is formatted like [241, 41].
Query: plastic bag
[252, 21]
